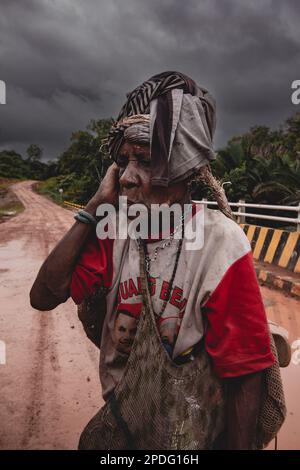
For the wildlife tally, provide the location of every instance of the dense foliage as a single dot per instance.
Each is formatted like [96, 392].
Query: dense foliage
[82, 166]
[13, 165]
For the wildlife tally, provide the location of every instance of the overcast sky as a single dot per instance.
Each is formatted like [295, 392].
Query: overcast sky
[67, 61]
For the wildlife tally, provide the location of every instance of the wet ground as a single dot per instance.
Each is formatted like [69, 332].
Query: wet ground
[49, 384]
[285, 311]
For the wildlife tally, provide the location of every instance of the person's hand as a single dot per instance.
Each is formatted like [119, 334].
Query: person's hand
[108, 190]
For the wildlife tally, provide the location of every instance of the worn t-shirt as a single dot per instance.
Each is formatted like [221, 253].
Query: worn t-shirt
[215, 295]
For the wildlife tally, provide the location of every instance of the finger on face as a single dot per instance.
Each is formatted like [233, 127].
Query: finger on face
[114, 167]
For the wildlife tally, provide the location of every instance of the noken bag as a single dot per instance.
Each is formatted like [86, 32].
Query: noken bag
[159, 405]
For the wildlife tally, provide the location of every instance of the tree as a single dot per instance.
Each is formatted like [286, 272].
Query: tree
[34, 153]
[12, 165]
[85, 161]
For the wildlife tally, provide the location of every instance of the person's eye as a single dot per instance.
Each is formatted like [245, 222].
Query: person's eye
[122, 163]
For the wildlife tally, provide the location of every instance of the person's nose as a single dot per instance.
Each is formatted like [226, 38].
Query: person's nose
[126, 337]
[130, 177]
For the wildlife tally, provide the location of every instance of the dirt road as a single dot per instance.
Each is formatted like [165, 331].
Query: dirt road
[49, 384]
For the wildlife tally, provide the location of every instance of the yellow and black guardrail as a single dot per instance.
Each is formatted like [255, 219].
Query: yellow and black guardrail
[275, 246]
[73, 205]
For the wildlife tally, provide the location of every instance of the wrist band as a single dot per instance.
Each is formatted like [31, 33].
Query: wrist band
[85, 217]
[81, 219]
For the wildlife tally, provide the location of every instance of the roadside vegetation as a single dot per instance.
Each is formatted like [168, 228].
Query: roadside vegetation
[9, 203]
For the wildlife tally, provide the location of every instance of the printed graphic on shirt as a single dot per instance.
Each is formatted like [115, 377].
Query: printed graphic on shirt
[125, 329]
[129, 309]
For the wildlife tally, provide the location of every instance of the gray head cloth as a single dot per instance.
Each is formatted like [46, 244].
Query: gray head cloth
[181, 126]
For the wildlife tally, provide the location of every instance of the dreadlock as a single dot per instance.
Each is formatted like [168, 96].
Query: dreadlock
[205, 176]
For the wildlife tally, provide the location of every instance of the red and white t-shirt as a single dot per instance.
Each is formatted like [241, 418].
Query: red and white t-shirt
[215, 294]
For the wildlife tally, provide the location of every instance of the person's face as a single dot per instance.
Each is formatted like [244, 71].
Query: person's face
[135, 178]
[125, 330]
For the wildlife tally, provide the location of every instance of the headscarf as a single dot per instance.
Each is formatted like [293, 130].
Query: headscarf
[182, 122]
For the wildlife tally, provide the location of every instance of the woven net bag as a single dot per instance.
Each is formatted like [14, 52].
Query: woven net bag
[273, 409]
[159, 405]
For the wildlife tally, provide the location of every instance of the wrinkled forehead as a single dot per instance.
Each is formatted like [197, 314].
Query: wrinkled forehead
[138, 131]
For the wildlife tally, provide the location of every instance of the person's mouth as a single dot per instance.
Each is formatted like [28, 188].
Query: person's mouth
[126, 342]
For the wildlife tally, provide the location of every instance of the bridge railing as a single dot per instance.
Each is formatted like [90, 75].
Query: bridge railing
[276, 246]
[242, 214]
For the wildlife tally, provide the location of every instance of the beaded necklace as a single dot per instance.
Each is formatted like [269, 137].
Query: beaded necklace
[143, 244]
[167, 243]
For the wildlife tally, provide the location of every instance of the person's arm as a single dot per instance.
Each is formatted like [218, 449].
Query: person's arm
[243, 404]
[52, 285]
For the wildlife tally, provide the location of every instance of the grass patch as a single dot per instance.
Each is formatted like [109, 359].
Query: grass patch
[74, 189]
[49, 188]
[10, 205]
[10, 210]
[6, 182]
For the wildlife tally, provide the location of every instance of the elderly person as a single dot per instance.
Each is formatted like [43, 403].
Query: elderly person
[190, 376]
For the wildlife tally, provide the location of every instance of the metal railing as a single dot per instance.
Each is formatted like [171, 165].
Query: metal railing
[241, 214]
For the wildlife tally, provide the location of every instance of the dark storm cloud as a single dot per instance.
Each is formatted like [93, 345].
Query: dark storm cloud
[67, 61]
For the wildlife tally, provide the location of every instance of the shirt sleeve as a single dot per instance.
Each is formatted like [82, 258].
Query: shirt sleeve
[237, 335]
[94, 268]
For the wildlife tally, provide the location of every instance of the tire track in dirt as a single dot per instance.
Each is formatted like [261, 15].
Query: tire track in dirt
[35, 382]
